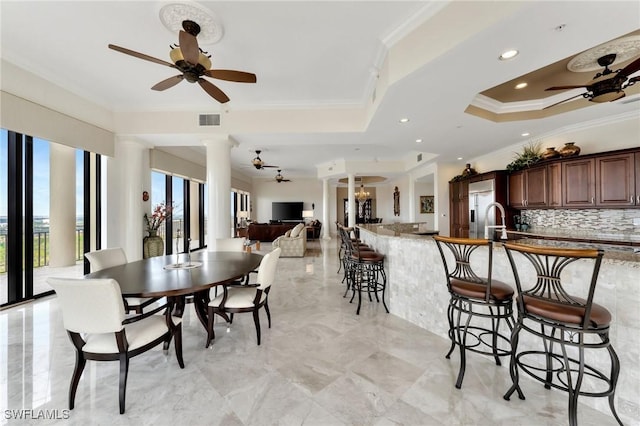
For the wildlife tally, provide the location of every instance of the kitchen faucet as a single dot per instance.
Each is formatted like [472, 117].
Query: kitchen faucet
[503, 235]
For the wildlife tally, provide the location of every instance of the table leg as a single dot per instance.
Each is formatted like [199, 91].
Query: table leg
[248, 249]
[257, 245]
[200, 303]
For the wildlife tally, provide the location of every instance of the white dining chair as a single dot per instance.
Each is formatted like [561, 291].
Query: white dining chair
[93, 314]
[106, 258]
[246, 298]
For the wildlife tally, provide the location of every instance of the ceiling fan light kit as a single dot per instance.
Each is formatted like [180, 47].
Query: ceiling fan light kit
[193, 62]
[606, 86]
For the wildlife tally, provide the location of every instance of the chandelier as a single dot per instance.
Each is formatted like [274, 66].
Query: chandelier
[362, 195]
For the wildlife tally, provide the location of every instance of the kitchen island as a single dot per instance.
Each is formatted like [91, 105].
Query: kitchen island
[417, 292]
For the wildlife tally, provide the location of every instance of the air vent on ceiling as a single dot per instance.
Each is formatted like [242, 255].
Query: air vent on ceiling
[209, 119]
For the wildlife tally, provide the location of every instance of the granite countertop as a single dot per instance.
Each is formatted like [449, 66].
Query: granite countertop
[621, 247]
[598, 237]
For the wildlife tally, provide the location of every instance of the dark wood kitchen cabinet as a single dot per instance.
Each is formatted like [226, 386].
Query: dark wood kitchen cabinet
[528, 188]
[459, 209]
[616, 180]
[637, 154]
[554, 186]
[578, 183]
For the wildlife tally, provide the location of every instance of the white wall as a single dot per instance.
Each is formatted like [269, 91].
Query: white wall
[424, 188]
[591, 137]
[265, 192]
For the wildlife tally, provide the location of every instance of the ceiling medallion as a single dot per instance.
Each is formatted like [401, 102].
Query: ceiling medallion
[172, 15]
[625, 48]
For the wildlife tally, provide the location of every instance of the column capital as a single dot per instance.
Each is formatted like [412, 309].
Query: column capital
[220, 140]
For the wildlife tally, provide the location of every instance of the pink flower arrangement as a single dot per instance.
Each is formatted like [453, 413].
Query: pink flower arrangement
[160, 213]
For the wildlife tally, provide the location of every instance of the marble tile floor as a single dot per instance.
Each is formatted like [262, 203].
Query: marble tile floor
[319, 364]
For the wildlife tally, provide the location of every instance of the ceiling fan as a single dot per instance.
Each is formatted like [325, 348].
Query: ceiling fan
[280, 178]
[193, 63]
[606, 86]
[259, 164]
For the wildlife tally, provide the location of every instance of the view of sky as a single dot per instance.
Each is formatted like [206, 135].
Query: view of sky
[41, 169]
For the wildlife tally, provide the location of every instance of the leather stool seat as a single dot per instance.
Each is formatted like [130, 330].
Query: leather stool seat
[368, 256]
[499, 291]
[561, 312]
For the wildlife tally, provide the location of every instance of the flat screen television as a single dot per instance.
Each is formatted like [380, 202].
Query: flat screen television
[286, 211]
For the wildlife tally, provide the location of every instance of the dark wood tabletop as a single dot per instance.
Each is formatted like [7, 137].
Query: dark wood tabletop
[149, 278]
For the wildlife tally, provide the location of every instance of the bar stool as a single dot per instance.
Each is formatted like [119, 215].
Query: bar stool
[567, 324]
[364, 269]
[347, 247]
[486, 302]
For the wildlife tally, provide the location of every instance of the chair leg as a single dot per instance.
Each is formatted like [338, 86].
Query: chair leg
[266, 308]
[513, 365]
[495, 324]
[124, 371]
[75, 378]
[451, 328]
[574, 391]
[256, 321]
[615, 372]
[210, 333]
[463, 345]
[177, 343]
[384, 287]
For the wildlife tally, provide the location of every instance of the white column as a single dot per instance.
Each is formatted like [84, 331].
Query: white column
[412, 199]
[325, 209]
[351, 191]
[62, 205]
[128, 176]
[219, 189]
[194, 214]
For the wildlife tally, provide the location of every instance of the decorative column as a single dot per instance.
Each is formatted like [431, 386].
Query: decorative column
[62, 205]
[325, 209]
[219, 187]
[412, 199]
[351, 191]
[128, 175]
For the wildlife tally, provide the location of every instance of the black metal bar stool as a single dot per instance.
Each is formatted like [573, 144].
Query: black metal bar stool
[567, 324]
[364, 269]
[349, 243]
[480, 311]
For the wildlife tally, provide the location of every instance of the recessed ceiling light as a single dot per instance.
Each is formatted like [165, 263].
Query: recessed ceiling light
[418, 140]
[509, 54]
[521, 85]
[404, 120]
[459, 158]
[526, 134]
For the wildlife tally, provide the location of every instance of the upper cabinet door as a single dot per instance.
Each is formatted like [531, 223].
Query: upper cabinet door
[516, 190]
[578, 183]
[554, 192]
[615, 178]
[536, 187]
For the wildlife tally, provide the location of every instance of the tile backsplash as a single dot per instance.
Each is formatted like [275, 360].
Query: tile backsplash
[603, 220]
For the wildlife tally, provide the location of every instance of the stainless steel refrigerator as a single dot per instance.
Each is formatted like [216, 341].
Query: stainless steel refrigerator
[481, 194]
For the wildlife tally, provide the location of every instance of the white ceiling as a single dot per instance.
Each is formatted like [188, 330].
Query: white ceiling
[322, 56]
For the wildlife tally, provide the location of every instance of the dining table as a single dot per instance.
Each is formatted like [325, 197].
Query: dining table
[178, 276]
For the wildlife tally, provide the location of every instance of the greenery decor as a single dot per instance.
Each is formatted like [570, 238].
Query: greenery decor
[530, 155]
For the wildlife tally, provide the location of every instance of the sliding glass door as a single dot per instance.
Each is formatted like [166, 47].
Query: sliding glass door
[43, 187]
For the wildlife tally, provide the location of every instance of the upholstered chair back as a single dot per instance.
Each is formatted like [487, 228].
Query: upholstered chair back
[267, 269]
[102, 259]
[89, 305]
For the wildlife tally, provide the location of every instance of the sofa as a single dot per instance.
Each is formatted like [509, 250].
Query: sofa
[293, 243]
